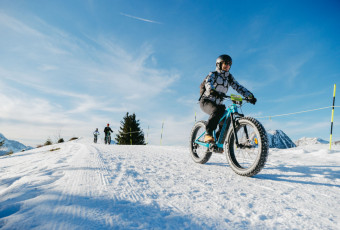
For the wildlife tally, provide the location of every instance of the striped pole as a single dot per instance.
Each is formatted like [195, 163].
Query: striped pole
[330, 139]
[147, 135]
[162, 132]
[130, 137]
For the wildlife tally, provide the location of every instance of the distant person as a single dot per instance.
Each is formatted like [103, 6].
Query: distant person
[107, 131]
[96, 133]
[215, 85]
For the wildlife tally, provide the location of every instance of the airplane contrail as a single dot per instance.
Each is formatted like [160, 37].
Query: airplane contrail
[141, 19]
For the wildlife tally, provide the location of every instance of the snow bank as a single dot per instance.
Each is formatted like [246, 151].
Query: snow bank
[310, 141]
[81, 185]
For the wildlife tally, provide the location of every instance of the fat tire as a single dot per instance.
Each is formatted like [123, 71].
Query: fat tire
[261, 159]
[196, 158]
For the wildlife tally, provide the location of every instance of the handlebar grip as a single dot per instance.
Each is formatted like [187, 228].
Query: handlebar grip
[243, 98]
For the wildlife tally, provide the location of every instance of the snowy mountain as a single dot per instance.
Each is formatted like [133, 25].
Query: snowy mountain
[10, 145]
[310, 141]
[81, 185]
[278, 139]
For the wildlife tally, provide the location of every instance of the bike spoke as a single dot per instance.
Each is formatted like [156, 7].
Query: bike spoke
[247, 153]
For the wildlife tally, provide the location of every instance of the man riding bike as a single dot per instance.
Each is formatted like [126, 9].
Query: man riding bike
[96, 133]
[107, 131]
[216, 85]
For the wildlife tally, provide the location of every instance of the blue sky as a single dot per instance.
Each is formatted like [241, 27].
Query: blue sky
[67, 67]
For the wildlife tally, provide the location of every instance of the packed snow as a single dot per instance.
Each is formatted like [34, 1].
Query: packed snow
[82, 185]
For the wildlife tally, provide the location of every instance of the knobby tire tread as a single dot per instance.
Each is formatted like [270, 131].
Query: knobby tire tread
[264, 149]
[193, 136]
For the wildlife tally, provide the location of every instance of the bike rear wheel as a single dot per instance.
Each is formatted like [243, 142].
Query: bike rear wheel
[199, 153]
[250, 157]
[108, 139]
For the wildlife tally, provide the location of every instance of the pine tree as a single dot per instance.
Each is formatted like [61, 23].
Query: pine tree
[130, 133]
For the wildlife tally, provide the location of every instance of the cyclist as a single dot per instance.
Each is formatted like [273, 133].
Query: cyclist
[96, 133]
[216, 85]
[107, 131]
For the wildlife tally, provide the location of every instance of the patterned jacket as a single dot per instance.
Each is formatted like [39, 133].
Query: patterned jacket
[220, 82]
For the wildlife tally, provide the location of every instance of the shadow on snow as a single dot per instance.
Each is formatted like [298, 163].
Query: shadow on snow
[291, 174]
[37, 206]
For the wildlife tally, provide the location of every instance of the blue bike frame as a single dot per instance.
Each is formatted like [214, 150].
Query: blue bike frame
[228, 113]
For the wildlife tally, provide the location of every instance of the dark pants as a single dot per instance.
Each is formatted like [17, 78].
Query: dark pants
[215, 111]
[107, 138]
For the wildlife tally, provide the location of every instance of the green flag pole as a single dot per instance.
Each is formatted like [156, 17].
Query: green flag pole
[162, 132]
[330, 139]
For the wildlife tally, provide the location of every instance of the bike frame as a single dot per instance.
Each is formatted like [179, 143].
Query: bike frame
[230, 112]
[107, 137]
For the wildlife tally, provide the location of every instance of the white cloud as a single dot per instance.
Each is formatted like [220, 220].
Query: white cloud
[48, 67]
[18, 26]
[23, 109]
[61, 81]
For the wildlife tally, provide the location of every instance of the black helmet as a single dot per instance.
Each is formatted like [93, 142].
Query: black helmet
[223, 58]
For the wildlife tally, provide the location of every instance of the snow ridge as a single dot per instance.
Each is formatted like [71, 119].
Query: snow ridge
[310, 141]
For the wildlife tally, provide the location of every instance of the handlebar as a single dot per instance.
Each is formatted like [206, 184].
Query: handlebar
[222, 95]
[230, 97]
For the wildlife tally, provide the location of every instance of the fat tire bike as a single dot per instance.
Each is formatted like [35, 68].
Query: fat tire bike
[107, 139]
[243, 139]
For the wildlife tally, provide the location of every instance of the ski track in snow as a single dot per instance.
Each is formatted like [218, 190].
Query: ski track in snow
[94, 186]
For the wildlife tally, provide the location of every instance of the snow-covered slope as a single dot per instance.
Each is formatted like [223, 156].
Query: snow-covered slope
[10, 145]
[81, 185]
[278, 139]
[310, 141]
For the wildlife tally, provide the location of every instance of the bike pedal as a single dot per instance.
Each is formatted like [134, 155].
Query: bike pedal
[212, 146]
[219, 150]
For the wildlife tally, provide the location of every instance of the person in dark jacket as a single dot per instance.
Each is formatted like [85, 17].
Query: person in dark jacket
[217, 84]
[107, 131]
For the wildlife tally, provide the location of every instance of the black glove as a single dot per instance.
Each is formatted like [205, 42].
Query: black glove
[214, 93]
[252, 99]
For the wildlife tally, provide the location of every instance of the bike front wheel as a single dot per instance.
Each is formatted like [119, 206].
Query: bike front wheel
[250, 156]
[199, 153]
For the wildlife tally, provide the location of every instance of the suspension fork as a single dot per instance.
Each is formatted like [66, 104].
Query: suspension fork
[234, 129]
[246, 132]
[233, 121]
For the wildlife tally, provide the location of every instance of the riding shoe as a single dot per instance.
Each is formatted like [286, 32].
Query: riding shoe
[208, 138]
